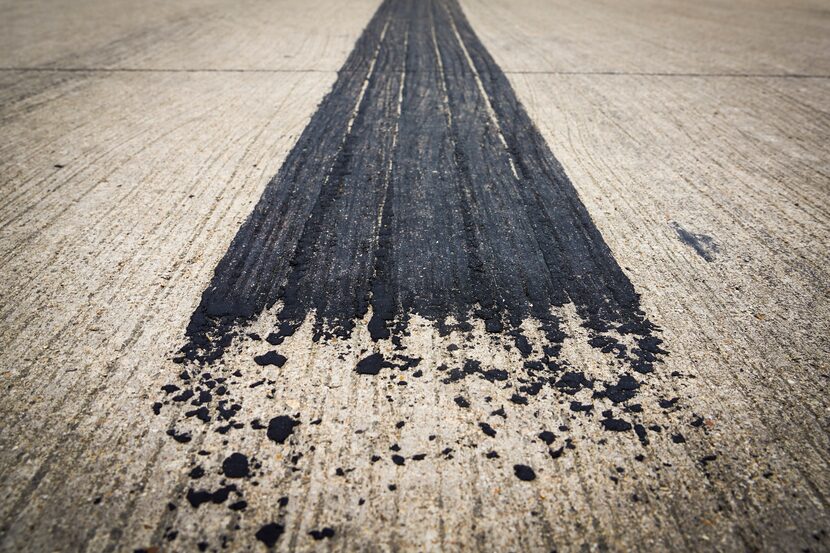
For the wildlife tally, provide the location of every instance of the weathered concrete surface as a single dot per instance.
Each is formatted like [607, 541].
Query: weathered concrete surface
[168, 120]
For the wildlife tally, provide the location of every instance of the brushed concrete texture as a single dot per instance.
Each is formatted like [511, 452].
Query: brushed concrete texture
[138, 136]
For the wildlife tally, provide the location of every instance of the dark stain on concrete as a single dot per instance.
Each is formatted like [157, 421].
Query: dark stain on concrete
[703, 244]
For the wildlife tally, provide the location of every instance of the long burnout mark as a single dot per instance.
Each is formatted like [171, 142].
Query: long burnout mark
[421, 186]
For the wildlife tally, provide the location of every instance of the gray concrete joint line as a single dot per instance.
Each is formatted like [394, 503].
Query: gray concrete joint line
[506, 72]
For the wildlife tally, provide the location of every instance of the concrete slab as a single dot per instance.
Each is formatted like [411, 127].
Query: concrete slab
[696, 137]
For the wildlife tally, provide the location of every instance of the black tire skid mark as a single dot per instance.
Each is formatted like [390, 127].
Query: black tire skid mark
[525, 242]
[422, 187]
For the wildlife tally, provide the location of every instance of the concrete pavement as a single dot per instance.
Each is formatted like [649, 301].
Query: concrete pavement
[138, 139]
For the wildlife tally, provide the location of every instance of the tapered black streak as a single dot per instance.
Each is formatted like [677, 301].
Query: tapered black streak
[420, 186]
